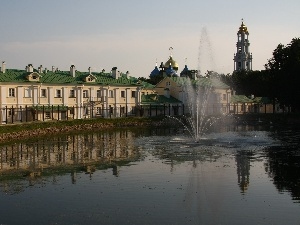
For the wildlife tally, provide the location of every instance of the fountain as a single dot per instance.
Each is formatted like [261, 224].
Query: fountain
[199, 95]
[197, 119]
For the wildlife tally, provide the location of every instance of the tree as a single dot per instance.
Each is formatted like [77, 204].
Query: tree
[284, 73]
[247, 82]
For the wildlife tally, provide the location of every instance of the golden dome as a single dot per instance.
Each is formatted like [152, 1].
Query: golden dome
[171, 62]
[243, 28]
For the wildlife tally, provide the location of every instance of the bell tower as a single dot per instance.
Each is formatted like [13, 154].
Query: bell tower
[242, 58]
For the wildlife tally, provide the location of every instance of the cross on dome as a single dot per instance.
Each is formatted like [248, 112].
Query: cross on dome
[171, 51]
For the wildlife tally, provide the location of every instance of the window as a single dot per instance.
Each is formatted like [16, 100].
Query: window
[47, 115]
[242, 107]
[122, 94]
[111, 94]
[72, 93]
[168, 83]
[133, 111]
[85, 93]
[224, 97]
[11, 112]
[98, 93]
[86, 110]
[27, 93]
[133, 93]
[58, 93]
[98, 110]
[111, 110]
[122, 110]
[71, 111]
[11, 92]
[43, 93]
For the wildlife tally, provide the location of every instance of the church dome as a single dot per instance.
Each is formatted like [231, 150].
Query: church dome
[185, 71]
[171, 72]
[171, 62]
[154, 72]
[243, 29]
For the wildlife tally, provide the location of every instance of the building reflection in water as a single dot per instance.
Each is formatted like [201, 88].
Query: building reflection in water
[242, 159]
[82, 149]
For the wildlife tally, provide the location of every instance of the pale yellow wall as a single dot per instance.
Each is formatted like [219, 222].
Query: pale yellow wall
[61, 153]
[104, 101]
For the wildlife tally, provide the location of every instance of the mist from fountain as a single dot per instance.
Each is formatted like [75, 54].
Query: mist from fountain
[198, 94]
[197, 100]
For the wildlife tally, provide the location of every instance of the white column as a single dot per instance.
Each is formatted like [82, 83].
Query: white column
[50, 95]
[105, 104]
[79, 101]
[91, 93]
[127, 94]
[65, 96]
[35, 95]
[3, 96]
[117, 102]
[20, 91]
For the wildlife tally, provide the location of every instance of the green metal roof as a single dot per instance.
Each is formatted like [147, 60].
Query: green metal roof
[64, 77]
[264, 100]
[147, 85]
[155, 99]
[245, 99]
[240, 99]
[202, 81]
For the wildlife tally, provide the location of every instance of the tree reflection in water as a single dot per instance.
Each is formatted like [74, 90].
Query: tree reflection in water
[219, 171]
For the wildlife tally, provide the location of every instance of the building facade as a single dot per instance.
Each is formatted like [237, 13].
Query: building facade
[39, 94]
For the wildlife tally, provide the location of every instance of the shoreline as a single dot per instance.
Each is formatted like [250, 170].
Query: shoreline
[41, 129]
[18, 132]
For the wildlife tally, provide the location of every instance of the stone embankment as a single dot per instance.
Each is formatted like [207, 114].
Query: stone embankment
[41, 132]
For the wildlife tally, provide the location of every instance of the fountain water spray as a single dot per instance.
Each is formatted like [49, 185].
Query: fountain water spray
[198, 100]
[199, 94]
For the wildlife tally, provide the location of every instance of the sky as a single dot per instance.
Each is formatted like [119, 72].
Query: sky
[133, 35]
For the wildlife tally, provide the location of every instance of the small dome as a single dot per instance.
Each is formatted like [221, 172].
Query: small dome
[171, 62]
[170, 71]
[185, 70]
[154, 72]
[243, 29]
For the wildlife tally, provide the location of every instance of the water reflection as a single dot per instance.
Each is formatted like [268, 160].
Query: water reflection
[27, 163]
[234, 175]
[70, 153]
[283, 162]
[243, 164]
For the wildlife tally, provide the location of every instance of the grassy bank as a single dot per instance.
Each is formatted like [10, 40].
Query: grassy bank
[20, 131]
[275, 119]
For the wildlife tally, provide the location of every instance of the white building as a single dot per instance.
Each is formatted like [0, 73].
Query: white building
[39, 94]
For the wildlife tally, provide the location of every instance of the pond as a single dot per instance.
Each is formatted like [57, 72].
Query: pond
[235, 175]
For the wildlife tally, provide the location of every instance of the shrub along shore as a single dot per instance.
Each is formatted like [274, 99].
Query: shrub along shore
[17, 132]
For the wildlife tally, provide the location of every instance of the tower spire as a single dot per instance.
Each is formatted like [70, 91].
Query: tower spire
[242, 58]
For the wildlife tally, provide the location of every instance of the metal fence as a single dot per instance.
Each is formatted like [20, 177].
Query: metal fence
[10, 115]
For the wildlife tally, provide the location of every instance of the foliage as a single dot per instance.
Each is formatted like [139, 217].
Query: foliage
[279, 80]
[284, 72]
[116, 122]
[153, 80]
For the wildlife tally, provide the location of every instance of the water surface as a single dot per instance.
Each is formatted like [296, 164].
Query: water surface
[233, 175]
